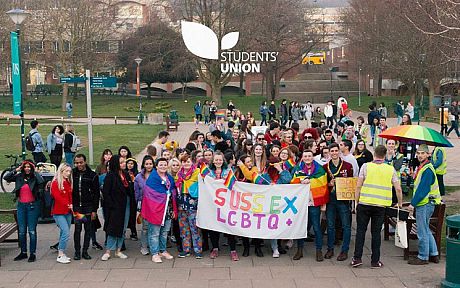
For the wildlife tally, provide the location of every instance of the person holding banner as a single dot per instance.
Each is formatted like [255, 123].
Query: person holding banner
[308, 171]
[373, 194]
[337, 168]
[187, 200]
[219, 170]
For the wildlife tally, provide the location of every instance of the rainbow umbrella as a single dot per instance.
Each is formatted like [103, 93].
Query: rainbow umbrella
[416, 134]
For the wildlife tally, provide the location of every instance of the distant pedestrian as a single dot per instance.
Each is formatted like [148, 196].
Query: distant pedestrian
[70, 144]
[55, 144]
[283, 112]
[454, 112]
[198, 111]
[383, 110]
[272, 111]
[212, 112]
[205, 110]
[399, 111]
[263, 110]
[69, 108]
[37, 142]
[410, 110]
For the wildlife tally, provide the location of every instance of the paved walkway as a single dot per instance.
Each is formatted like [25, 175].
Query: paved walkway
[75, 121]
[138, 271]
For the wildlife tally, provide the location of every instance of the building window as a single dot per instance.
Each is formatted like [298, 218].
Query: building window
[113, 46]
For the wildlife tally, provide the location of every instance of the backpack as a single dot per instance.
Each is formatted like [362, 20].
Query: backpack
[30, 142]
[76, 143]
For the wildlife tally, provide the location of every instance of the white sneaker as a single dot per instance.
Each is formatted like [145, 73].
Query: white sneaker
[121, 255]
[166, 255]
[276, 254]
[144, 251]
[157, 258]
[105, 257]
[63, 259]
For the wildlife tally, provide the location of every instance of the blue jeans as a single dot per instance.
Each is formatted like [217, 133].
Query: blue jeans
[115, 243]
[69, 158]
[343, 209]
[372, 133]
[426, 243]
[314, 218]
[27, 222]
[399, 120]
[157, 236]
[144, 232]
[63, 221]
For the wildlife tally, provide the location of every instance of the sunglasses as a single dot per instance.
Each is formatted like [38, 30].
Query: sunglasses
[308, 137]
[261, 139]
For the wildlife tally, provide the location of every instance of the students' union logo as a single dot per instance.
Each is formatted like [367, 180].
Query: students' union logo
[203, 42]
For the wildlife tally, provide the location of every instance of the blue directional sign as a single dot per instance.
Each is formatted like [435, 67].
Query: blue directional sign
[103, 82]
[63, 80]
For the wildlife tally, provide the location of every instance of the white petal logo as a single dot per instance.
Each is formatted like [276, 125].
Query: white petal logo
[203, 42]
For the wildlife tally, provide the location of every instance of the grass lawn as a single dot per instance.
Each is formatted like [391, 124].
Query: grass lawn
[6, 202]
[109, 106]
[136, 137]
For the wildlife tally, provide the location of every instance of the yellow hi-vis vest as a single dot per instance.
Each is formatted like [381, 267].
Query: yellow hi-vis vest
[377, 186]
[442, 169]
[434, 189]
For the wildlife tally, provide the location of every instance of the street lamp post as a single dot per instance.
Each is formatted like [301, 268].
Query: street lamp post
[18, 16]
[138, 86]
[359, 86]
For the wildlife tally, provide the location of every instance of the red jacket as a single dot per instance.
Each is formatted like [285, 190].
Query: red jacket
[62, 198]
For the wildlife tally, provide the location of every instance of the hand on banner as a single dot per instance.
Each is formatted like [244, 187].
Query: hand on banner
[306, 181]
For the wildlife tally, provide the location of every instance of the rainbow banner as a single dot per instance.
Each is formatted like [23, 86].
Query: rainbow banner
[259, 179]
[289, 164]
[255, 211]
[230, 180]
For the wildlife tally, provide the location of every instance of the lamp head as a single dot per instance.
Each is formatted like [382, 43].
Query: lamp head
[138, 60]
[18, 15]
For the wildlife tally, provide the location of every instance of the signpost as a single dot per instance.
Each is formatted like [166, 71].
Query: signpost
[95, 82]
[64, 80]
[90, 117]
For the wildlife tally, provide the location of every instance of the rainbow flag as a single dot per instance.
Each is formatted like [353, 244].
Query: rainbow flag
[79, 217]
[289, 164]
[204, 170]
[259, 179]
[230, 180]
[318, 182]
[221, 113]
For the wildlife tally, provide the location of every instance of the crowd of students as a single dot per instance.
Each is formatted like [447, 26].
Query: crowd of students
[161, 193]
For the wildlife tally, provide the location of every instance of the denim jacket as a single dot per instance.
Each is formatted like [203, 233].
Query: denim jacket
[38, 140]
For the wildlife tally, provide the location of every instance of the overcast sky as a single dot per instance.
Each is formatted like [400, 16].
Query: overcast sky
[329, 3]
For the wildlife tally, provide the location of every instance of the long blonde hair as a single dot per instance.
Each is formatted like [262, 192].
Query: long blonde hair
[59, 178]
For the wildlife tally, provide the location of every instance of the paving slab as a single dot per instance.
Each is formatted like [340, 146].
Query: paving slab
[86, 276]
[250, 273]
[209, 274]
[128, 275]
[273, 283]
[172, 274]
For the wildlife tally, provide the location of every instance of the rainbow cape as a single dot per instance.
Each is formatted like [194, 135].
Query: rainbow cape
[204, 170]
[230, 180]
[318, 181]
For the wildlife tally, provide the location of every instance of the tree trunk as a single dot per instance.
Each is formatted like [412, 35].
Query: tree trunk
[241, 90]
[433, 89]
[65, 93]
[216, 92]
[379, 84]
[75, 90]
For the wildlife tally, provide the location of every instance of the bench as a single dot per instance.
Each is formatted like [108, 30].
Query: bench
[7, 229]
[436, 222]
[172, 124]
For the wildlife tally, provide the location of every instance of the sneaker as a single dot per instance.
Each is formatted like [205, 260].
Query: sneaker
[20, 257]
[97, 246]
[356, 262]
[54, 247]
[144, 251]
[133, 237]
[329, 254]
[183, 254]
[32, 258]
[276, 253]
[198, 256]
[234, 256]
[342, 256]
[417, 261]
[376, 265]
[121, 255]
[63, 259]
[157, 259]
[166, 255]
[214, 253]
[105, 257]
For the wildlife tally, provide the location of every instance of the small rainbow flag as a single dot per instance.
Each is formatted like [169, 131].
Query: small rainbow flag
[258, 179]
[204, 170]
[230, 180]
[221, 113]
[79, 217]
[289, 164]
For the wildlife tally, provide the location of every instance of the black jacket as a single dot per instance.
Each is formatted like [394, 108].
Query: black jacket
[115, 200]
[36, 183]
[68, 141]
[85, 192]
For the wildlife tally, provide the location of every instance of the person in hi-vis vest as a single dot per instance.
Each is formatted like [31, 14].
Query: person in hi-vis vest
[439, 160]
[426, 196]
[373, 194]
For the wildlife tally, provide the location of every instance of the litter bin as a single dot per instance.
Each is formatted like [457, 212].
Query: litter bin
[452, 252]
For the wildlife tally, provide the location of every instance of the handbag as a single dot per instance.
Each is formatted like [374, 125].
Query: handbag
[401, 233]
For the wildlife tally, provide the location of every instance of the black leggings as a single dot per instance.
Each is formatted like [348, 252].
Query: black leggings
[77, 234]
[215, 240]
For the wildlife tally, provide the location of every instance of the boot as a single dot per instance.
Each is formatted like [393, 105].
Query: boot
[246, 251]
[77, 255]
[298, 254]
[319, 256]
[259, 252]
[85, 255]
